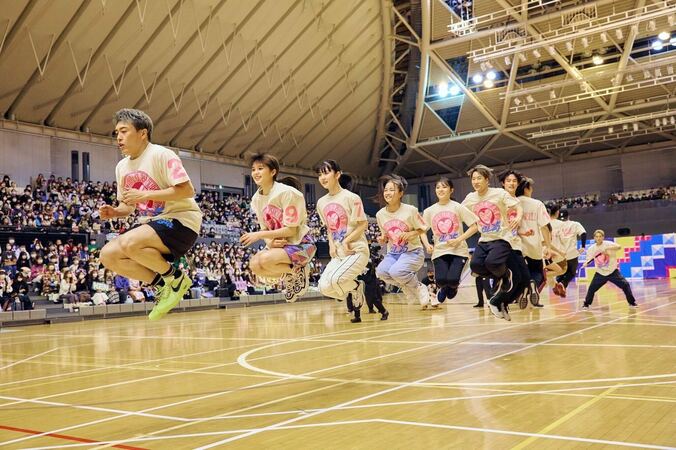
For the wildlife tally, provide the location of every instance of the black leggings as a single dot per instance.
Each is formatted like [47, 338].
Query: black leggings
[447, 271]
[483, 286]
[617, 279]
[570, 273]
[490, 258]
[520, 275]
[537, 272]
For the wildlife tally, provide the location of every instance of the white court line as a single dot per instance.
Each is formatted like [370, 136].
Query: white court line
[386, 391]
[193, 399]
[27, 359]
[385, 421]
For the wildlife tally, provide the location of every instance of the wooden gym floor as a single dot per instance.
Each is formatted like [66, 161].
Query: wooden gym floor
[302, 376]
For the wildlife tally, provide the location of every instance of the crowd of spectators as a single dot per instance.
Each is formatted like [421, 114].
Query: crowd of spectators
[581, 201]
[662, 193]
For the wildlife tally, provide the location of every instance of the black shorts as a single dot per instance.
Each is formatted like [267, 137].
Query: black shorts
[178, 238]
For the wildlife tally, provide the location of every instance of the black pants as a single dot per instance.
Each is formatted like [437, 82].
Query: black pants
[447, 272]
[537, 271]
[490, 258]
[570, 273]
[372, 289]
[483, 286]
[617, 279]
[520, 275]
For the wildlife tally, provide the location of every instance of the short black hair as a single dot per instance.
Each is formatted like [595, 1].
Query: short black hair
[136, 117]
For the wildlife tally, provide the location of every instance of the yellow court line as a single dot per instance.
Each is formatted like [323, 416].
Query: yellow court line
[565, 418]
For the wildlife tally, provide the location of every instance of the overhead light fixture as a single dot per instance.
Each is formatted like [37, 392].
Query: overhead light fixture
[517, 101]
[664, 35]
[618, 34]
[489, 64]
[569, 46]
[483, 66]
[477, 78]
[672, 121]
[529, 98]
[646, 74]
[629, 78]
[670, 70]
[585, 42]
[651, 25]
[604, 37]
[671, 20]
[635, 126]
[597, 60]
[442, 90]
[552, 94]
[454, 89]
[625, 127]
[665, 121]
[537, 53]
[552, 50]
[610, 130]
[657, 45]
[508, 61]
[657, 122]
[491, 75]
[522, 57]
[489, 84]
[658, 72]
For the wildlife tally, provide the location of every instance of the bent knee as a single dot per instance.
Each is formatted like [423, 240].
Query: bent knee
[111, 253]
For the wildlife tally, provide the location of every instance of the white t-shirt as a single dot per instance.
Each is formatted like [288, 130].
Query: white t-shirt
[341, 213]
[394, 224]
[535, 217]
[446, 224]
[155, 169]
[565, 235]
[491, 210]
[283, 206]
[605, 257]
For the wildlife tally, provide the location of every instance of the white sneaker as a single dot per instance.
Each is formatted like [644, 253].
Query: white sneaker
[358, 295]
[423, 294]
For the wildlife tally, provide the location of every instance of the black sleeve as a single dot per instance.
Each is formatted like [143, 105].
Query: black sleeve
[583, 239]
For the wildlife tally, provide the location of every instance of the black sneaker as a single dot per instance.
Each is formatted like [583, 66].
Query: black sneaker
[523, 300]
[356, 320]
[385, 315]
[478, 305]
[495, 305]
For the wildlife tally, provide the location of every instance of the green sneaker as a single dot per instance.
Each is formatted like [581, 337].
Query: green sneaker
[170, 296]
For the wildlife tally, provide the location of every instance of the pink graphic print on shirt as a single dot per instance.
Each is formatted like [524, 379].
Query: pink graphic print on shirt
[272, 216]
[602, 260]
[489, 217]
[445, 225]
[143, 182]
[336, 221]
[395, 228]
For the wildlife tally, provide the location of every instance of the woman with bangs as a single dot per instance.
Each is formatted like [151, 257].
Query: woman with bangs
[449, 252]
[342, 212]
[280, 209]
[401, 226]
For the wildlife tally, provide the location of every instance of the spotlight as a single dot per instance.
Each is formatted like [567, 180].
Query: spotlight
[569, 46]
[522, 57]
[552, 50]
[477, 78]
[635, 126]
[483, 66]
[671, 20]
[657, 122]
[454, 89]
[658, 72]
[665, 121]
[442, 90]
[585, 42]
[489, 64]
[618, 34]
[672, 121]
[646, 74]
[657, 45]
[625, 127]
[604, 37]
[530, 98]
[488, 84]
[517, 101]
[629, 78]
[537, 53]
[491, 75]
[610, 130]
[597, 60]
[651, 25]
[670, 70]
[664, 35]
[508, 61]
[552, 94]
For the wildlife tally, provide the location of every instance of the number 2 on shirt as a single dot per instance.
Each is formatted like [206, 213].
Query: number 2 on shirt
[176, 169]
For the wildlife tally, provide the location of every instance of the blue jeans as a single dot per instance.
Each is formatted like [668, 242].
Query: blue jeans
[401, 269]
